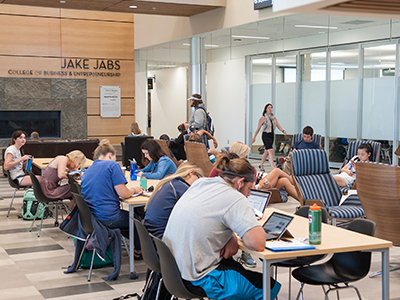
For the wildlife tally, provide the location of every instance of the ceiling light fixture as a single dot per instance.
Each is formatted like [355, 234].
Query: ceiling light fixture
[251, 37]
[132, 6]
[316, 26]
[62, 1]
[212, 46]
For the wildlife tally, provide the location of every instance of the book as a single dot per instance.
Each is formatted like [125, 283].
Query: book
[288, 245]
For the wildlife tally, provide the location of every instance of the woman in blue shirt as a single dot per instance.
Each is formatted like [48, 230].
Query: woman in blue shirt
[160, 164]
[166, 194]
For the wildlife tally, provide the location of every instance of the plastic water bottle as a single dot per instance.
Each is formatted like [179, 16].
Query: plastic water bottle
[314, 218]
[29, 165]
[133, 169]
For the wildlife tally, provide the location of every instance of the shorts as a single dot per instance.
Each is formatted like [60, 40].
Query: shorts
[19, 179]
[348, 179]
[268, 140]
[230, 280]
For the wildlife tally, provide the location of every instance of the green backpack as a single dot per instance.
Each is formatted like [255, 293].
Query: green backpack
[30, 205]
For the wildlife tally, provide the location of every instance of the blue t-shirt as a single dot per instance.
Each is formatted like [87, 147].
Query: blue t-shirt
[160, 207]
[160, 169]
[98, 183]
[299, 145]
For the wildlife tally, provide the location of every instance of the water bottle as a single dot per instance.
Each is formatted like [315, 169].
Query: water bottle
[314, 218]
[29, 165]
[133, 169]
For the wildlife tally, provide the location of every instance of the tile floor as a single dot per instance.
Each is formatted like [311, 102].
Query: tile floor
[32, 268]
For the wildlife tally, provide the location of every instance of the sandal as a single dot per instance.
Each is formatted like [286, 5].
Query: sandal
[262, 168]
[137, 256]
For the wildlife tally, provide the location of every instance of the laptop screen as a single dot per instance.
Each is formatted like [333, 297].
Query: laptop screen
[259, 201]
[277, 224]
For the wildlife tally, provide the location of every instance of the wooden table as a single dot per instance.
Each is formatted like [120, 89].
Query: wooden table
[334, 240]
[42, 163]
[137, 201]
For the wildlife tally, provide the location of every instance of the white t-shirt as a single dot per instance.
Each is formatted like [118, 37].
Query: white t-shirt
[202, 222]
[18, 169]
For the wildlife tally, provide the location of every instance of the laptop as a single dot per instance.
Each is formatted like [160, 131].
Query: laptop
[275, 226]
[259, 201]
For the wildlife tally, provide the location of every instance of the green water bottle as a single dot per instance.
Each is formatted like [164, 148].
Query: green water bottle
[314, 218]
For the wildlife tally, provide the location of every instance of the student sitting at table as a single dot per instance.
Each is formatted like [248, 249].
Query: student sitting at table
[57, 170]
[15, 160]
[103, 184]
[166, 194]
[201, 234]
[160, 164]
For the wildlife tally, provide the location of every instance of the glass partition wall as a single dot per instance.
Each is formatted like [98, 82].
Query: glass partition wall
[338, 91]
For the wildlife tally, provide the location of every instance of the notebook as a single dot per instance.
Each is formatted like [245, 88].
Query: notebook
[259, 201]
[275, 226]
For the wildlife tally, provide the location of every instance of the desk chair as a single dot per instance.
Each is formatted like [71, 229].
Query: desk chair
[75, 186]
[132, 149]
[299, 136]
[150, 256]
[342, 268]
[16, 187]
[313, 181]
[378, 187]
[170, 272]
[304, 260]
[197, 153]
[40, 197]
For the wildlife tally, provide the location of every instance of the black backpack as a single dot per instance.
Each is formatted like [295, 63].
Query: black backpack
[210, 125]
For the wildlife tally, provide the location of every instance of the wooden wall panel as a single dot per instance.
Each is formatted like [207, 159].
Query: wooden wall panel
[96, 15]
[126, 80]
[29, 10]
[97, 39]
[33, 67]
[115, 140]
[98, 126]
[30, 36]
[127, 106]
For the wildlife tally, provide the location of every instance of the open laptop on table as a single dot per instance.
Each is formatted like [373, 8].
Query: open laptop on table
[259, 201]
[276, 226]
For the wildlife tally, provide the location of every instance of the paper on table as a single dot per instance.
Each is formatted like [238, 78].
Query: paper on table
[288, 245]
[137, 194]
[344, 197]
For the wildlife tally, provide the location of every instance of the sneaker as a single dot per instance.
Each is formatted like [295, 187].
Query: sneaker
[248, 260]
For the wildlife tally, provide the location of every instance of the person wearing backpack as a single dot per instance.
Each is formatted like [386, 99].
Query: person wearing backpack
[198, 118]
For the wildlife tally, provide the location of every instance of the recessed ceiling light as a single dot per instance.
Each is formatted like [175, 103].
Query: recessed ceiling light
[251, 37]
[62, 1]
[132, 6]
[316, 26]
[206, 45]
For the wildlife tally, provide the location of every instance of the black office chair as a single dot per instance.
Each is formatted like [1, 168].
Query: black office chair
[170, 272]
[85, 216]
[16, 187]
[342, 268]
[75, 186]
[40, 197]
[305, 260]
[150, 256]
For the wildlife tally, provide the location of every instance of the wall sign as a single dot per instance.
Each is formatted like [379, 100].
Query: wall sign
[259, 4]
[110, 101]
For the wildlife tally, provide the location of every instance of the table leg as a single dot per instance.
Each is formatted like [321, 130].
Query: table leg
[266, 280]
[131, 243]
[385, 274]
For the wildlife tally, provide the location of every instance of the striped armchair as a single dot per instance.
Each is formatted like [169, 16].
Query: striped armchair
[352, 150]
[313, 181]
[299, 136]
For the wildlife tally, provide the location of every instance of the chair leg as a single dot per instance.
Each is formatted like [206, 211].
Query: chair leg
[126, 245]
[80, 256]
[380, 272]
[158, 289]
[357, 291]
[91, 265]
[12, 200]
[41, 222]
[300, 291]
[149, 280]
[34, 218]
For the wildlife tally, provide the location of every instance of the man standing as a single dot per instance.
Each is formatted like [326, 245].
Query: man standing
[201, 234]
[199, 116]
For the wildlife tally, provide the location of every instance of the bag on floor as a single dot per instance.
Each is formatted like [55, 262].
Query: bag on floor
[30, 205]
[87, 255]
[152, 290]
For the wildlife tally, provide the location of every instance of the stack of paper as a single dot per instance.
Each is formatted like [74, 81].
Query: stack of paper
[288, 245]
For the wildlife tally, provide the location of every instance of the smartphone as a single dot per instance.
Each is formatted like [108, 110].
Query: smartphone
[29, 165]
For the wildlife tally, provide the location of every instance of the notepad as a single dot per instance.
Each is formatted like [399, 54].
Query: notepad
[292, 245]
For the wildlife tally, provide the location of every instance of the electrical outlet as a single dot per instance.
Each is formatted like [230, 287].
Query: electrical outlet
[227, 141]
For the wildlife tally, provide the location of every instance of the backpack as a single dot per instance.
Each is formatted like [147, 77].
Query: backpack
[30, 205]
[210, 125]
